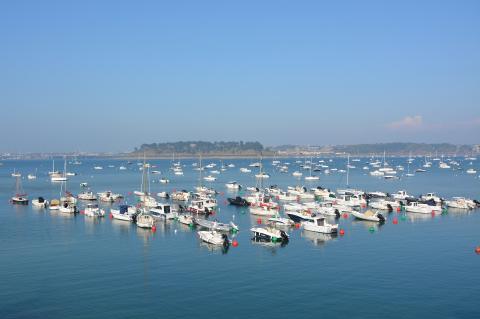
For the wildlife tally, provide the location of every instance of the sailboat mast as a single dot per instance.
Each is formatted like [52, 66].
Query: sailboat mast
[348, 168]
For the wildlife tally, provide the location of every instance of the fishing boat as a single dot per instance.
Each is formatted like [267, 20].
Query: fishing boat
[269, 234]
[369, 215]
[214, 238]
[320, 225]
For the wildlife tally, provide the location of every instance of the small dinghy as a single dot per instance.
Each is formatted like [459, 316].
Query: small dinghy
[370, 216]
[214, 238]
[269, 234]
[215, 225]
[238, 201]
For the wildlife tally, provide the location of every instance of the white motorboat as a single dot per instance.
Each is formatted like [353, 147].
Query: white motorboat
[215, 225]
[182, 196]
[233, 185]
[165, 211]
[269, 234]
[185, 219]
[109, 196]
[369, 215]
[124, 212]
[164, 180]
[54, 204]
[263, 211]
[214, 238]
[163, 195]
[471, 171]
[210, 178]
[461, 203]
[40, 202]
[416, 207]
[431, 196]
[297, 174]
[245, 170]
[87, 196]
[145, 220]
[320, 225]
[262, 175]
[280, 221]
[67, 207]
[384, 205]
[92, 210]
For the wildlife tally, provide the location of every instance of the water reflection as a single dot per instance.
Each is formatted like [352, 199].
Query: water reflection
[214, 248]
[317, 239]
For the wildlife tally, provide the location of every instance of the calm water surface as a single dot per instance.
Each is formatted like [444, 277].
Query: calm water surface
[58, 266]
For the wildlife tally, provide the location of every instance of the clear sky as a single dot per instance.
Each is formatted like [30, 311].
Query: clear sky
[110, 75]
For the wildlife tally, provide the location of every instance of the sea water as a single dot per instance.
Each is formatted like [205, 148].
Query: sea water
[54, 265]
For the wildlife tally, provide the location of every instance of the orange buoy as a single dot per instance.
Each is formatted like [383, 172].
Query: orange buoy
[297, 225]
[235, 243]
[395, 221]
[342, 232]
[154, 228]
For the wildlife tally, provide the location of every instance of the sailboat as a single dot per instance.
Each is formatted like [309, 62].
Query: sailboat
[261, 174]
[410, 160]
[19, 198]
[311, 177]
[56, 176]
[32, 176]
[16, 174]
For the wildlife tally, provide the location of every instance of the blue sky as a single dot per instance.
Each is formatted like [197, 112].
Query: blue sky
[93, 76]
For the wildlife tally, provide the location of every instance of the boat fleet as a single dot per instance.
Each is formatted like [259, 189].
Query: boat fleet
[277, 210]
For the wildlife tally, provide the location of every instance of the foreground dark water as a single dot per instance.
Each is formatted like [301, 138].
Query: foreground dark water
[58, 266]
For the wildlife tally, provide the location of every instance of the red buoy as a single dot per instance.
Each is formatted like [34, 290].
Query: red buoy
[399, 209]
[433, 213]
[111, 215]
[345, 215]
[477, 250]
[259, 221]
[395, 221]
[235, 243]
[342, 232]
[154, 228]
[297, 225]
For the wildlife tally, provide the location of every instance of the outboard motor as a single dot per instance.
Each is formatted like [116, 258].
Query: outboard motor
[476, 202]
[284, 236]
[337, 214]
[134, 218]
[226, 242]
[390, 208]
[381, 218]
[41, 200]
